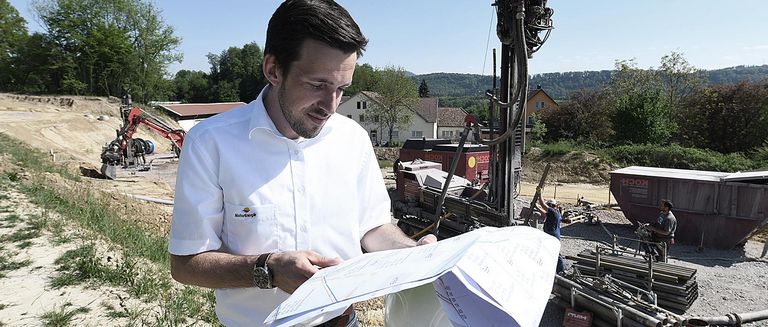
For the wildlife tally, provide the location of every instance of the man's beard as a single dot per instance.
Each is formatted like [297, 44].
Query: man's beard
[295, 119]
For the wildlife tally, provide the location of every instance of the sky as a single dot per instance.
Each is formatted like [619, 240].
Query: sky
[430, 36]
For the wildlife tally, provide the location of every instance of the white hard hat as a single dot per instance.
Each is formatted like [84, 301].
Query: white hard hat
[551, 202]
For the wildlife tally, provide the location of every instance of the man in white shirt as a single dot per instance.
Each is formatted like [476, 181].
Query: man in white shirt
[270, 192]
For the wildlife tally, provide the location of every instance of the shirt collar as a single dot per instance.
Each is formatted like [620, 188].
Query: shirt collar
[261, 120]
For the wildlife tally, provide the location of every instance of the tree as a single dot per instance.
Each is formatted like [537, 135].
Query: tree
[191, 86]
[423, 89]
[236, 73]
[397, 95]
[679, 78]
[585, 115]
[115, 46]
[538, 130]
[726, 118]
[13, 31]
[642, 118]
[364, 79]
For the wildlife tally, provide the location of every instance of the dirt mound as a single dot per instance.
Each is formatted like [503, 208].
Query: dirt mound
[574, 167]
[41, 103]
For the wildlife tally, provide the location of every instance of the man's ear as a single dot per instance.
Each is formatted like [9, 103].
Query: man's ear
[272, 71]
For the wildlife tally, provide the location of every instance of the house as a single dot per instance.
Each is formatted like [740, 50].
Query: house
[450, 123]
[423, 121]
[189, 114]
[538, 100]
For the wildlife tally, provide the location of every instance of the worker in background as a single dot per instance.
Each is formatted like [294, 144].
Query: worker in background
[662, 231]
[552, 219]
[270, 192]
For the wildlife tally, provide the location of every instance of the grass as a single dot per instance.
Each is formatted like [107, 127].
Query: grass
[8, 264]
[144, 264]
[62, 316]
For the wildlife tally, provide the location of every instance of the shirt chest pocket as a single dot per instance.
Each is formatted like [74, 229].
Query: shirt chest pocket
[250, 229]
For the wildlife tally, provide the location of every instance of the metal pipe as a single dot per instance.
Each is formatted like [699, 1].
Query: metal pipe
[736, 319]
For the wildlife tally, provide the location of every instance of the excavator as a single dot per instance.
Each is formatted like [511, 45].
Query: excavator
[128, 151]
[439, 202]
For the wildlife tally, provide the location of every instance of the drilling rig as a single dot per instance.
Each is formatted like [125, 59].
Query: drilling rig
[438, 202]
[128, 151]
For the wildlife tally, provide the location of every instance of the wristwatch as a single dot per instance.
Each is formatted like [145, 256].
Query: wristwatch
[262, 276]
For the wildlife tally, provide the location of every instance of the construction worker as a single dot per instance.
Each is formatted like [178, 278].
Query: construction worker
[552, 219]
[270, 192]
[662, 232]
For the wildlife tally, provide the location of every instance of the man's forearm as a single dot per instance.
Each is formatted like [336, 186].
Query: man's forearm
[214, 270]
[386, 237]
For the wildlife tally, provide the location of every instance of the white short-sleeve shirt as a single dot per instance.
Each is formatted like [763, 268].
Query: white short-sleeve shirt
[244, 188]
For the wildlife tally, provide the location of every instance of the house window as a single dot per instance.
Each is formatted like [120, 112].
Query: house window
[365, 104]
[416, 133]
[530, 120]
[362, 118]
[349, 116]
[395, 134]
[362, 104]
[539, 104]
[374, 135]
[447, 134]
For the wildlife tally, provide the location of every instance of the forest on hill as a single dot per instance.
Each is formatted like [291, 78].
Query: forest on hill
[561, 85]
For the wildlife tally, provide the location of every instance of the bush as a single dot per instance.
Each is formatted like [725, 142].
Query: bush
[558, 149]
[675, 156]
[760, 157]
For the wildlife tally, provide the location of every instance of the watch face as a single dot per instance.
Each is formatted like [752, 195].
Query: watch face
[261, 278]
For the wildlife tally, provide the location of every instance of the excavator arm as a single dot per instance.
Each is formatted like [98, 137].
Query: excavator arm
[128, 151]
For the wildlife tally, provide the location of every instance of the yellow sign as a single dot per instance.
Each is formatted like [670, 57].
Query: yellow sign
[471, 162]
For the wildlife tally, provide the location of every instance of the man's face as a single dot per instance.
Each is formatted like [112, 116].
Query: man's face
[663, 208]
[309, 94]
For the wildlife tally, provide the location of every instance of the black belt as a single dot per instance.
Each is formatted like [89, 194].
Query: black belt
[343, 320]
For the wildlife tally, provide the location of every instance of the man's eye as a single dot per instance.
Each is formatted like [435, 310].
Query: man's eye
[317, 86]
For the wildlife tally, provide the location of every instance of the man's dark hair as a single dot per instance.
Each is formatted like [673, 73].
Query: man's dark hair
[667, 204]
[322, 20]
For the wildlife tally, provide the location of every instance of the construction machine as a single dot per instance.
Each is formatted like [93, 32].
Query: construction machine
[437, 201]
[127, 151]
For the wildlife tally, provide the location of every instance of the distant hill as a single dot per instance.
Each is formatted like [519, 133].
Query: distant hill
[560, 85]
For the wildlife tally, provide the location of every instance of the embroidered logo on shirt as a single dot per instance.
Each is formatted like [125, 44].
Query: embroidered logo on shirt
[246, 213]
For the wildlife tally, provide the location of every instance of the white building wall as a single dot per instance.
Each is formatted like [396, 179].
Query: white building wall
[455, 131]
[350, 109]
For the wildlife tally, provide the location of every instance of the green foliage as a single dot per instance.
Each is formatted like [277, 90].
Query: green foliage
[96, 47]
[191, 86]
[236, 74]
[558, 148]
[538, 130]
[397, 94]
[642, 118]
[760, 156]
[62, 316]
[727, 118]
[423, 89]
[364, 79]
[13, 30]
[585, 116]
[675, 156]
[561, 85]
[31, 159]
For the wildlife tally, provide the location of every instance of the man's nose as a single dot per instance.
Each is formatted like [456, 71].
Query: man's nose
[330, 101]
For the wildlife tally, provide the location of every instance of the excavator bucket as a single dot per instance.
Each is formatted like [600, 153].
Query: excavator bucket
[109, 171]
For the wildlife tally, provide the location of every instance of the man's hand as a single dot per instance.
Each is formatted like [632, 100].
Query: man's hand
[293, 268]
[427, 239]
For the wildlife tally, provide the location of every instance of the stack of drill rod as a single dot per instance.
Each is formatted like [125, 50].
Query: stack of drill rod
[675, 286]
[610, 302]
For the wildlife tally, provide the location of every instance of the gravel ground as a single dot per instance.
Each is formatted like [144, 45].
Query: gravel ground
[729, 280]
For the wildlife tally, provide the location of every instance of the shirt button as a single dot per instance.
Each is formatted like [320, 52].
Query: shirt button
[296, 152]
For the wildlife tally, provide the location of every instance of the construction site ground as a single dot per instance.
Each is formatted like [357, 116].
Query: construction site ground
[74, 129]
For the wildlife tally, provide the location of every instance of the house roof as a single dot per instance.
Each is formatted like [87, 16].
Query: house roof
[451, 117]
[200, 109]
[533, 92]
[427, 109]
